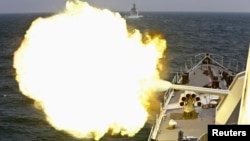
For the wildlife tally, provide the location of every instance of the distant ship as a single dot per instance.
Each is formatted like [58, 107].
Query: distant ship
[134, 14]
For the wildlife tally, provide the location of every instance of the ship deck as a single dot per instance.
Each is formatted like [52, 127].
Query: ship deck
[206, 114]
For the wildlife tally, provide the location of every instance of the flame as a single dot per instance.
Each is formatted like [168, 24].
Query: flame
[85, 71]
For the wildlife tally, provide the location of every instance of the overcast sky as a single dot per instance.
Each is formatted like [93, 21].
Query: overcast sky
[24, 6]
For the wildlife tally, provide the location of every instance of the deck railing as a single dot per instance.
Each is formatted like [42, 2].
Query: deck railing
[226, 62]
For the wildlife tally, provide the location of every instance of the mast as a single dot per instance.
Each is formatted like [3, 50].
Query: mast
[244, 116]
[134, 10]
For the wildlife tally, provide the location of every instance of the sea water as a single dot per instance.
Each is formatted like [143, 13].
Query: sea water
[187, 34]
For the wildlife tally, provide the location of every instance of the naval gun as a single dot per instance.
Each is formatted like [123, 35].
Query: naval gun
[162, 85]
